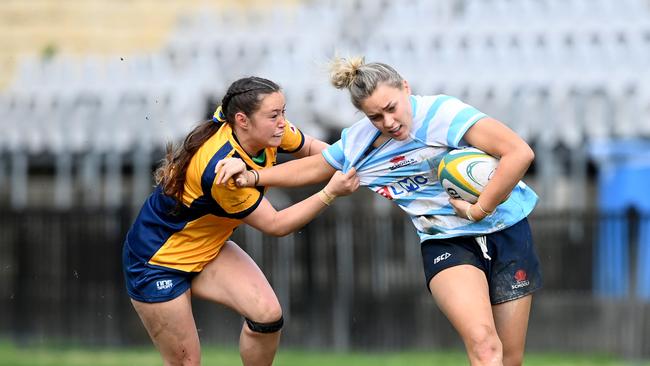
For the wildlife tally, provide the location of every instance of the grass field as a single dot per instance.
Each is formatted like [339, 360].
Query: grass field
[51, 356]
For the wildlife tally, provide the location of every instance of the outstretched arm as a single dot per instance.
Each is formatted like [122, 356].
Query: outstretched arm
[311, 147]
[295, 173]
[311, 168]
[279, 223]
[312, 171]
[300, 172]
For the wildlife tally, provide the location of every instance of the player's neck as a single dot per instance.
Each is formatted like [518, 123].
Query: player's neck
[380, 140]
[251, 151]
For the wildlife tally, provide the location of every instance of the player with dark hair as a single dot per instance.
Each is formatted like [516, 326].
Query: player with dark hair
[178, 246]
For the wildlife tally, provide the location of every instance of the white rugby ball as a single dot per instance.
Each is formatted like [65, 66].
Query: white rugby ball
[464, 173]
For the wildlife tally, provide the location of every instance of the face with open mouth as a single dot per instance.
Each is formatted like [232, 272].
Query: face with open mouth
[265, 127]
[389, 110]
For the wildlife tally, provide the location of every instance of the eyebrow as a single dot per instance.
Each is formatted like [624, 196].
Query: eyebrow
[284, 107]
[390, 103]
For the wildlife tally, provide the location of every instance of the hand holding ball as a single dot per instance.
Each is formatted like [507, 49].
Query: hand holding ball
[464, 173]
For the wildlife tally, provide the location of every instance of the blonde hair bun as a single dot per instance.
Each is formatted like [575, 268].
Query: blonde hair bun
[343, 71]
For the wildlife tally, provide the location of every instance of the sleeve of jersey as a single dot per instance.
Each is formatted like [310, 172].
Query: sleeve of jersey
[334, 155]
[292, 140]
[448, 120]
[236, 202]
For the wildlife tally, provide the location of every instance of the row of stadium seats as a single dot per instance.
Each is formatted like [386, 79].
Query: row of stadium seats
[134, 92]
[53, 120]
[58, 119]
[549, 55]
[560, 72]
[530, 12]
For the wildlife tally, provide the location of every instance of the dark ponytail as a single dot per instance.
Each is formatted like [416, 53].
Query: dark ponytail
[171, 173]
[244, 95]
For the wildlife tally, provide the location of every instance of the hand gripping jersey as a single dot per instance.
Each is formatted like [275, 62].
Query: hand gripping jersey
[192, 237]
[405, 171]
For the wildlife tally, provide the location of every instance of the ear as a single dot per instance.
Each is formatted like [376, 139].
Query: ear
[241, 120]
[407, 87]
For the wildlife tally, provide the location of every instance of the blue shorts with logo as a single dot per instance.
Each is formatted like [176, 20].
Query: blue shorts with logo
[512, 272]
[150, 283]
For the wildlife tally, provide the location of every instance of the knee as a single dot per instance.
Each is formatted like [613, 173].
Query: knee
[267, 318]
[484, 345]
[267, 311]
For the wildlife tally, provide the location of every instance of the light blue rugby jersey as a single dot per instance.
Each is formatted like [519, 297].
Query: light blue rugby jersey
[406, 171]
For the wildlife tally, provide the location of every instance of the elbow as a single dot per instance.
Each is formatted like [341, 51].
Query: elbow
[284, 233]
[528, 155]
[277, 231]
[280, 233]
[278, 225]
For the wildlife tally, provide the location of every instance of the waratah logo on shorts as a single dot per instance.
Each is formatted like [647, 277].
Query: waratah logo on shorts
[522, 279]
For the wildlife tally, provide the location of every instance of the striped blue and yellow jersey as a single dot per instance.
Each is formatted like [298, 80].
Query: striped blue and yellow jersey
[190, 237]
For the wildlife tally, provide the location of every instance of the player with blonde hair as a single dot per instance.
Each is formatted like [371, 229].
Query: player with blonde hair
[479, 261]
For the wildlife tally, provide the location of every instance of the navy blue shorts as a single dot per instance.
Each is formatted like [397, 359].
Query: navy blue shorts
[513, 271]
[149, 283]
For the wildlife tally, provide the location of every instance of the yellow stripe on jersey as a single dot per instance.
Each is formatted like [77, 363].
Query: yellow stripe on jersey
[199, 242]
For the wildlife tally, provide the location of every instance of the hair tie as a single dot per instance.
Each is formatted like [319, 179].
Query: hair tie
[218, 116]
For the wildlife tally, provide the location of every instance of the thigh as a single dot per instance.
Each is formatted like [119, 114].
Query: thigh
[511, 319]
[440, 254]
[171, 326]
[234, 279]
[462, 294]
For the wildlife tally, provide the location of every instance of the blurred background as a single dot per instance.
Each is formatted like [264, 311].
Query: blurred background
[90, 92]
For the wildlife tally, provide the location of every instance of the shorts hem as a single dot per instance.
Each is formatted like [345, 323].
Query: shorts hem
[518, 295]
[169, 297]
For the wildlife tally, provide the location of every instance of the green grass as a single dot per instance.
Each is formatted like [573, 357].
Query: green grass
[57, 356]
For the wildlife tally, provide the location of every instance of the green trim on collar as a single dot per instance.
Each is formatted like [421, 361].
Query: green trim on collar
[259, 159]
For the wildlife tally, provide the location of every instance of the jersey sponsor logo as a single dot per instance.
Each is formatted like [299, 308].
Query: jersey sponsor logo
[401, 161]
[522, 279]
[384, 191]
[164, 284]
[403, 187]
[241, 202]
[441, 257]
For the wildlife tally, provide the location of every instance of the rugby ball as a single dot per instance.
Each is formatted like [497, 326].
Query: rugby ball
[464, 173]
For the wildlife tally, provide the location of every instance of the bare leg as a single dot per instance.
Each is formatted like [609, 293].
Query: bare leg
[462, 294]
[511, 320]
[233, 279]
[172, 329]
